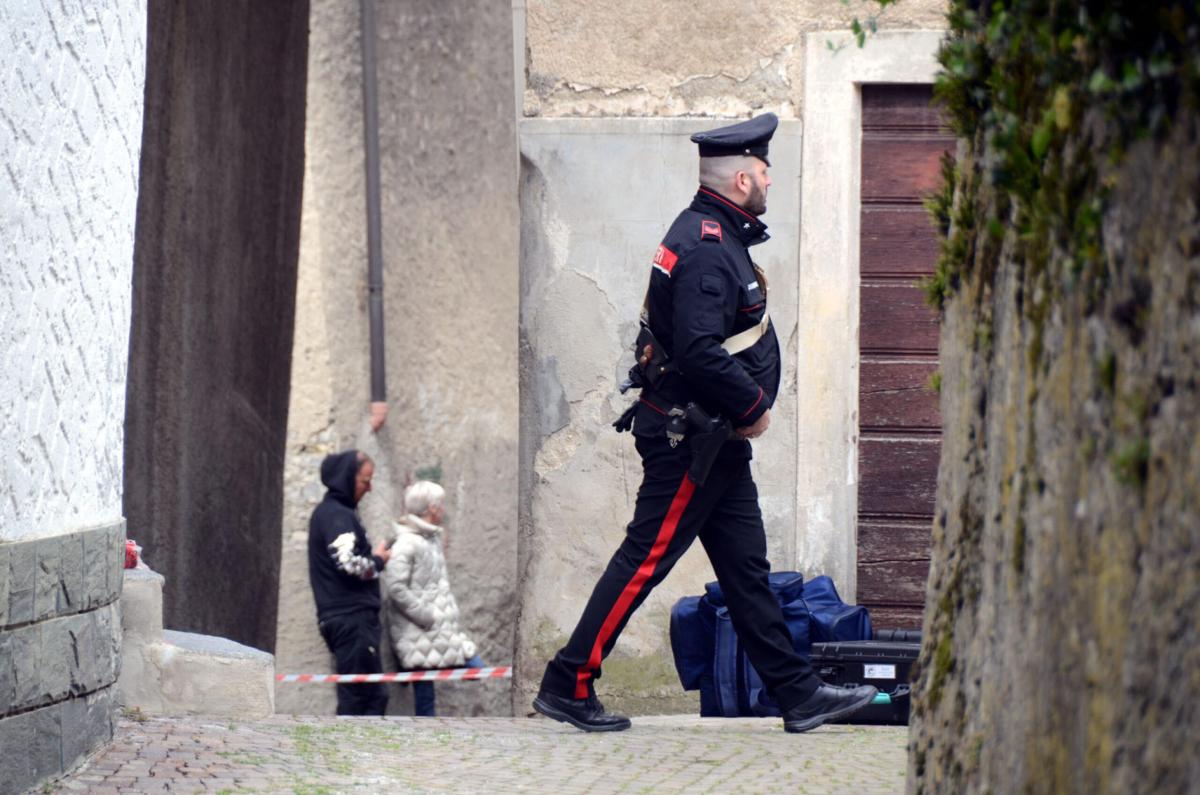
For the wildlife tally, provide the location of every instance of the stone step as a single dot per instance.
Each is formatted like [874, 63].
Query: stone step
[165, 672]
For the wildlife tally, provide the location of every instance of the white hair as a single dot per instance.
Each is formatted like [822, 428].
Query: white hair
[717, 173]
[423, 495]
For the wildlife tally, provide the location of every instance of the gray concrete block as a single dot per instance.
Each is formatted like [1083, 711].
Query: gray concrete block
[8, 674]
[95, 568]
[26, 651]
[116, 560]
[55, 657]
[141, 605]
[5, 552]
[86, 723]
[38, 736]
[15, 768]
[70, 592]
[95, 649]
[47, 578]
[83, 656]
[108, 645]
[22, 566]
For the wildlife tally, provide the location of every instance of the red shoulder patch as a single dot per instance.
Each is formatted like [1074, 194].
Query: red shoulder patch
[665, 259]
[710, 230]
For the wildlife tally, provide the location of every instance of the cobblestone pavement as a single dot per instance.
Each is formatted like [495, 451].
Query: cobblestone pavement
[312, 755]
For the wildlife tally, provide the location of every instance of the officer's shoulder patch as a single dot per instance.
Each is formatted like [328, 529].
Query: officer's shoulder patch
[710, 230]
[665, 259]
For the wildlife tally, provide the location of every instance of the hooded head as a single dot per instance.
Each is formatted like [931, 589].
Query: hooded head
[347, 475]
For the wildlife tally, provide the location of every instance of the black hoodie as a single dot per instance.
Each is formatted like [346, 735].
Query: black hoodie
[343, 572]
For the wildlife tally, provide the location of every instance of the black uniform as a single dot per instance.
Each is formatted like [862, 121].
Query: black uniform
[345, 580]
[704, 289]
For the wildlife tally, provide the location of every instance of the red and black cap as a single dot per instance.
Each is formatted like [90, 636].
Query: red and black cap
[744, 138]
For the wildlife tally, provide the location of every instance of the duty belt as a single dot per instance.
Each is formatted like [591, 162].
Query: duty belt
[745, 340]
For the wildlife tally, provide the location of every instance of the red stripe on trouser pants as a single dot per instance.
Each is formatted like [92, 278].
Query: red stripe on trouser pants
[665, 533]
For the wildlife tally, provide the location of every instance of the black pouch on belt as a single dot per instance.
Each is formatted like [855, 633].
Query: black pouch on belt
[652, 359]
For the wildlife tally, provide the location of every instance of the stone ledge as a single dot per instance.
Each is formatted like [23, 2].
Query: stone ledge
[44, 578]
[51, 740]
[189, 674]
[59, 658]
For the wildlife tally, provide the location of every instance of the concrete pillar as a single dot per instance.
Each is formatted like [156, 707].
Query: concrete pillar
[71, 81]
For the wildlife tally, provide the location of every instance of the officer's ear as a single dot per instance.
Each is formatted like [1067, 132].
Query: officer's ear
[743, 181]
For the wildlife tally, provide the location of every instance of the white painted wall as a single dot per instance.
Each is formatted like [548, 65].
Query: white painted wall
[827, 349]
[71, 93]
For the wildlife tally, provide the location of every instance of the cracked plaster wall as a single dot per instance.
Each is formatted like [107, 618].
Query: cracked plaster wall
[628, 58]
[448, 173]
[587, 237]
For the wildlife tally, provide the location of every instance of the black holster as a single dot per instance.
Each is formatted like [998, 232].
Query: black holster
[706, 435]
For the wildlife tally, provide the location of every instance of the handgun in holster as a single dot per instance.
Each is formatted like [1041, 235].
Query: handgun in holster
[705, 435]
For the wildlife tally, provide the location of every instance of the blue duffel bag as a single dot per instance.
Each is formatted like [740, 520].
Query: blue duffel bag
[708, 655]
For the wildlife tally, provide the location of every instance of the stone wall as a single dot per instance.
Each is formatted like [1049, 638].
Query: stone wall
[213, 283]
[449, 172]
[71, 81]
[1061, 649]
[60, 649]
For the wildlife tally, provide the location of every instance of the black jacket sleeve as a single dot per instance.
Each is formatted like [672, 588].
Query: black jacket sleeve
[705, 300]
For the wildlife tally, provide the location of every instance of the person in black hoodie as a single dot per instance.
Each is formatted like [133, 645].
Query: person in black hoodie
[344, 572]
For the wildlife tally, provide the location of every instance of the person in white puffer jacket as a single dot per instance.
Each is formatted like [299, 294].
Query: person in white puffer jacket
[420, 612]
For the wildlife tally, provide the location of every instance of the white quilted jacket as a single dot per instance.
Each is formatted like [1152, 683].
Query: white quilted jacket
[421, 613]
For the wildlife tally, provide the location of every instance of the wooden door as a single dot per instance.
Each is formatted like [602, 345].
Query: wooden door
[899, 424]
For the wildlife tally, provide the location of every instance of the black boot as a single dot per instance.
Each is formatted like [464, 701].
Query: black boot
[583, 713]
[826, 704]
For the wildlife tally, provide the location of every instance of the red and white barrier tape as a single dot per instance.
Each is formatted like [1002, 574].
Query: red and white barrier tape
[438, 675]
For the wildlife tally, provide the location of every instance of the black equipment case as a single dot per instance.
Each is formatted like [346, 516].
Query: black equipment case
[885, 662]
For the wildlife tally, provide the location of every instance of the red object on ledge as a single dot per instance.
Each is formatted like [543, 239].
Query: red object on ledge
[131, 554]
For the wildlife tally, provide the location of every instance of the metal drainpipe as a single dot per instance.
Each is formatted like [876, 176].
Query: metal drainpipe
[374, 243]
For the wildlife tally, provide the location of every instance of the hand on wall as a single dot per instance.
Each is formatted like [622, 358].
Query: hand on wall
[378, 415]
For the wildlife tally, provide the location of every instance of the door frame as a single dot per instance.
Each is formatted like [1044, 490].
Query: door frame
[827, 328]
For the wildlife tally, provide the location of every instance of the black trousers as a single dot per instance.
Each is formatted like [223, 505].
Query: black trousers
[671, 512]
[354, 640]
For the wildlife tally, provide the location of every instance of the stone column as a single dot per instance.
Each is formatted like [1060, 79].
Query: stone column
[71, 84]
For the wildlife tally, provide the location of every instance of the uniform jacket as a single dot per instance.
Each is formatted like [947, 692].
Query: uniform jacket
[343, 572]
[421, 615]
[704, 288]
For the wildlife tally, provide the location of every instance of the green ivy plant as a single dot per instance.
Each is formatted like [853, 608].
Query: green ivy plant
[1045, 94]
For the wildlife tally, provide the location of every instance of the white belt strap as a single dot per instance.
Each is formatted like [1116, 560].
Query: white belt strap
[744, 340]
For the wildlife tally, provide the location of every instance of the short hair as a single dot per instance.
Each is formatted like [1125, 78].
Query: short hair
[361, 459]
[717, 173]
[423, 495]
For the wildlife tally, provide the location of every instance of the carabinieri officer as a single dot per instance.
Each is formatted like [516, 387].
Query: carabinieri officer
[708, 358]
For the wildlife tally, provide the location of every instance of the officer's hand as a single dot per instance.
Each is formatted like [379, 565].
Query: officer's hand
[757, 429]
[384, 551]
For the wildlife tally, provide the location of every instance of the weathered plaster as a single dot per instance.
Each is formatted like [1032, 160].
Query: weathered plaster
[677, 58]
[597, 196]
[827, 349]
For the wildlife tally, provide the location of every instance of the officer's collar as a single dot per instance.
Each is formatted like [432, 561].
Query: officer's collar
[742, 224]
